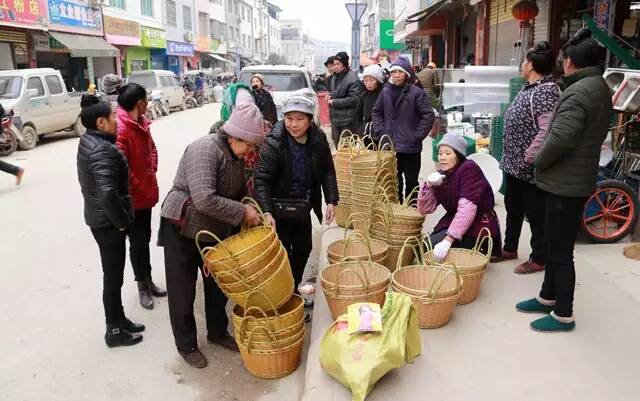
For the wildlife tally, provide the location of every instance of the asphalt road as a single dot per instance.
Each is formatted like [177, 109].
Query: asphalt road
[51, 316]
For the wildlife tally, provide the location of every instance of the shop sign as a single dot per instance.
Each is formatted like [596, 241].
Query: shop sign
[386, 35]
[41, 42]
[179, 49]
[601, 11]
[75, 14]
[152, 37]
[213, 45]
[203, 44]
[121, 27]
[23, 12]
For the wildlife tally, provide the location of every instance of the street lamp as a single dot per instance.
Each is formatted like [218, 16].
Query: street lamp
[356, 11]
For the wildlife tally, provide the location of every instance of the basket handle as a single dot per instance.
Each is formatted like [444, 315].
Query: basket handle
[252, 202]
[371, 145]
[260, 292]
[389, 143]
[443, 272]
[204, 251]
[345, 138]
[354, 239]
[243, 325]
[417, 242]
[341, 270]
[412, 197]
[480, 241]
[266, 330]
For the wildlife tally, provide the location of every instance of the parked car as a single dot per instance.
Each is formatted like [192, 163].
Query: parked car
[282, 81]
[40, 102]
[164, 81]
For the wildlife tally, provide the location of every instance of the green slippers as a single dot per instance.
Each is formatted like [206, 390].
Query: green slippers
[533, 306]
[549, 324]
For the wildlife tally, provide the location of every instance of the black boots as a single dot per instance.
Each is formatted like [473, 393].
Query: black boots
[117, 336]
[144, 291]
[147, 289]
[132, 327]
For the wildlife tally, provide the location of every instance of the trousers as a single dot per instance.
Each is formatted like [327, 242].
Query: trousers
[297, 239]
[139, 239]
[9, 168]
[408, 170]
[112, 245]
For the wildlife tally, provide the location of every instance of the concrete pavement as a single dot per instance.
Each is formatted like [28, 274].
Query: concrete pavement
[487, 351]
[51, 316]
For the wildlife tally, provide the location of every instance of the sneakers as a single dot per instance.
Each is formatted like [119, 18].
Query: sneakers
[117, 336]
[533, 306]
[195, 358]
[551, 324]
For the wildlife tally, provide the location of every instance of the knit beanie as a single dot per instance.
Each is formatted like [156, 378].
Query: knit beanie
[455, 142]
[343, 57]
[245, 124]
[402, 64]
[259, 76]
[374, 71]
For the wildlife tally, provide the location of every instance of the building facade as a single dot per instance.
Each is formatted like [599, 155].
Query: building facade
[178, 16]
[297, 46]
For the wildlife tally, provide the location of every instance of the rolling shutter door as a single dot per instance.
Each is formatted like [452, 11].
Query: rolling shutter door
[541, 24]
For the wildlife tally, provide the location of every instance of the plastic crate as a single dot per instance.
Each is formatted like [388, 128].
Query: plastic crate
[515, 85]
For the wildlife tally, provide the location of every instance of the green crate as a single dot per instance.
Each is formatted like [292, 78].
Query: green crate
[515, 85]
[497, 135]
[471, 146]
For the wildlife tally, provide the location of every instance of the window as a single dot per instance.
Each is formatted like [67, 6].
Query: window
[171, 13]
[203, 24]
[278, 81]
[148, 80]
[10, 87]
[146, 7]
[186, 16]
[36, 83]
[118, 4]
[212, 29]
[167, 82]
[54, 84]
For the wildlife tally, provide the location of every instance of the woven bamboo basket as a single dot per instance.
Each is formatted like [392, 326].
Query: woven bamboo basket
[471, 283]
[277, 319]
[263, 341]
[242, 284]
[366, 282]
[358, 247]
[343, 210]
[250, 270]
[270, 364]
[470, 260]
[287, 333]
[278, 288]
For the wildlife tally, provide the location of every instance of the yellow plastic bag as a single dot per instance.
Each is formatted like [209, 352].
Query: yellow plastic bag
[359, 360]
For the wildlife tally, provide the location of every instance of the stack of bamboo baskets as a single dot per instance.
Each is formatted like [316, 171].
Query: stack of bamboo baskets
[341, 162]
[252, 268]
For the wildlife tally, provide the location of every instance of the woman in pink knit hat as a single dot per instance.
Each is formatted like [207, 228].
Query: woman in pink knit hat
[206, 195]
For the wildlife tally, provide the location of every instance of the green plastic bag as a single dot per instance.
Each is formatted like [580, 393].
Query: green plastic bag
[359, 360]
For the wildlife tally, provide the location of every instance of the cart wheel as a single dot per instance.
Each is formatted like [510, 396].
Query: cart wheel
[610, 213]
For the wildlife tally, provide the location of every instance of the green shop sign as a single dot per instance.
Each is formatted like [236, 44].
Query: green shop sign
[152, 37]
[214, 44]
[386, 36]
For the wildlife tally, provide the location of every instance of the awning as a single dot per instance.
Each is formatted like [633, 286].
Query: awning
[84, 45]
[220, 58]
[433, 7]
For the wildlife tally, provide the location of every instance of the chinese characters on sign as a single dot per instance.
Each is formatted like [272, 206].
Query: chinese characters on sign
[601, 13]
[27, 12]
[152, 37]
[75, 14]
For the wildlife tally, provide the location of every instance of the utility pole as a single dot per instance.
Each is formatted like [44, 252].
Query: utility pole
[356, 11]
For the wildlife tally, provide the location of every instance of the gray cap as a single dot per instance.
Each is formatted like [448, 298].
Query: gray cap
[111, 83]
[455, 142]
[300, 103]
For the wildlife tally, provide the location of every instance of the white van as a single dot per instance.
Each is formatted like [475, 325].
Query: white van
[164, 81]
[40, 102]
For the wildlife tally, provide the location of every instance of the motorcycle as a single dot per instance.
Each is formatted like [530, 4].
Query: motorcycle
[190, 100]
[200, 97]
[8, 136]
[155, 107]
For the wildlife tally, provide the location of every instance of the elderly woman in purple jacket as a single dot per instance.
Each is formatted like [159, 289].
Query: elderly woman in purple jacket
[466, 195]
[403, 111]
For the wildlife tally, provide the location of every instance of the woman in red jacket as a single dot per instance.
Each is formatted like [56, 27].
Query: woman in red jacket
[135, 141]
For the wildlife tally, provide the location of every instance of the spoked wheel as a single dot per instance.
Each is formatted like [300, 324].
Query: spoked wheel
[611, 212]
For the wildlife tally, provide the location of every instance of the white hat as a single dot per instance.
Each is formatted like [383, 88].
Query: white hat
[300, 103]
[375, 71]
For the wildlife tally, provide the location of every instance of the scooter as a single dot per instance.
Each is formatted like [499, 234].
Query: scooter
[8, 136]
[190, 100]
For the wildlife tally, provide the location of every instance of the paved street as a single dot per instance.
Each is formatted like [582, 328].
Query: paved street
[51, 317]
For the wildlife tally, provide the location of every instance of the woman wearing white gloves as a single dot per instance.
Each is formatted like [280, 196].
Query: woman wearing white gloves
[466, 195]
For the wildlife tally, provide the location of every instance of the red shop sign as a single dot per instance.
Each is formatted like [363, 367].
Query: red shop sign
[25, 12]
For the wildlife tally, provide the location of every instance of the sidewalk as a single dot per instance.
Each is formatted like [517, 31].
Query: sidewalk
[487, 351]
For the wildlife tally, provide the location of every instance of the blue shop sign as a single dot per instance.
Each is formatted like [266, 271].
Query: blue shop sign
[179, 49]
[76, 13]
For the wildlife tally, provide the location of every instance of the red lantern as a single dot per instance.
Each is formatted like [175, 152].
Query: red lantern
[525, 10]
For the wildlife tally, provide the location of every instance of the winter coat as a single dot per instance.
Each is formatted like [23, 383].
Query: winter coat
[274, 173]
[207, 189]
[345, 89]
[265, 103]
[364, 109]
[408, 121]
[527, 117]
[567, 164]
[103, 174]
[135, 141]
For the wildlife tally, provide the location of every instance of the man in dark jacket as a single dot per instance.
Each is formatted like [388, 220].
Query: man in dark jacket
[403, 111]
[566, 169]
[344, 91]
[103, 174]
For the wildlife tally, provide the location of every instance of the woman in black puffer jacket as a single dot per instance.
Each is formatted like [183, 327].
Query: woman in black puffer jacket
[295, 165]
[103, 174]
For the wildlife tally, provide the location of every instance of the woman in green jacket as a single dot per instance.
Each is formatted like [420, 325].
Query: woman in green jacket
[566, 169]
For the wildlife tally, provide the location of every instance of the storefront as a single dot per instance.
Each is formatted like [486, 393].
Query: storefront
[76, 46]
[156, 41]
[177, 55]
[123, 34]
[17, 19]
